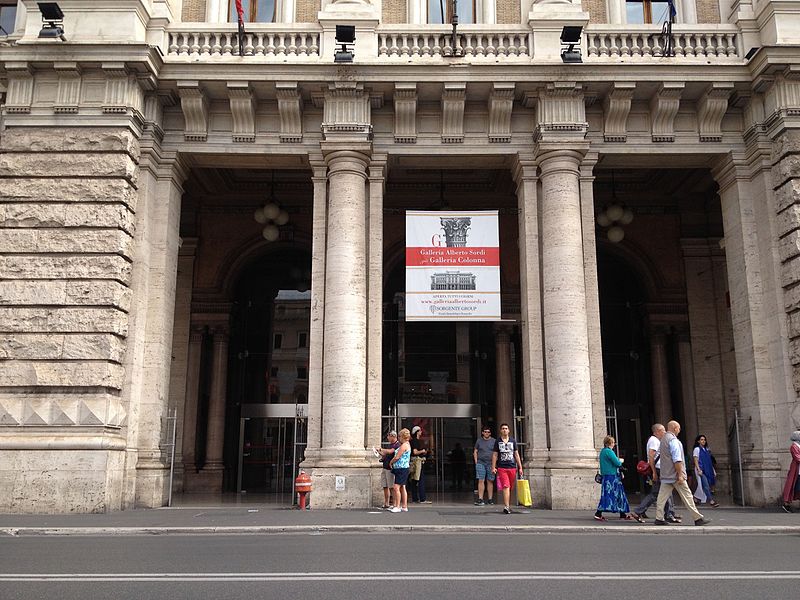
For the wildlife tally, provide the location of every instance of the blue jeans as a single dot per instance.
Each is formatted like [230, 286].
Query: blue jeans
[651, 498]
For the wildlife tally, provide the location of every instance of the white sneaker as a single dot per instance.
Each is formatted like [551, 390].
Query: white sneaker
[394, 509]
[404, 509]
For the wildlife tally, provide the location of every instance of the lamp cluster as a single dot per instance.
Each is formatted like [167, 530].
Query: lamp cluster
[613, 217]
[271, 216]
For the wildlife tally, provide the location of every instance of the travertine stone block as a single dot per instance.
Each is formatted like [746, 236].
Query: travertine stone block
[67, 293]
[788, 168]
[787, 143]
[20, 373]
[66, 190]
[788, 219]
[787, 194]
[64, 165]
[96, 215]
[63, 241]
[49, 346]
[72, 139]
[65, 267]
[790, 272]
[63, 320]
[789, 246]
[793, 321]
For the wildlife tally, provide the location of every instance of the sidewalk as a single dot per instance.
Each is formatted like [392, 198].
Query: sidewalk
[254, 518]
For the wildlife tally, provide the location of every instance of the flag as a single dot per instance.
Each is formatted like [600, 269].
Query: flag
[672, 10]
[240, 17]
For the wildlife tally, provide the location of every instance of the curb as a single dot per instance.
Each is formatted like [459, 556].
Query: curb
[311, 529]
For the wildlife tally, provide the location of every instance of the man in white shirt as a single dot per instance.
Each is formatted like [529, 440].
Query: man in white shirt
[653, 445]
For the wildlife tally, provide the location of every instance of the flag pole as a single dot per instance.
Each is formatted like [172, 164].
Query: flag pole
[240, 18]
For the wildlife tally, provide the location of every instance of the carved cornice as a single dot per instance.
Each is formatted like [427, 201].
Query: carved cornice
[290, 108]
[243, 109]
[454, 96]
[347, 111]
[617, 106]
[405, 113]
[711, 108]
[20, 88]
[195, 111]
[68, 94]
[663, 108]
[501, 105]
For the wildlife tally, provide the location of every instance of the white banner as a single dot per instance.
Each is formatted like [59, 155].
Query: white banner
[452, 266]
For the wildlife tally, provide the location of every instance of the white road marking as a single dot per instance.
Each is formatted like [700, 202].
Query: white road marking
[397, 576]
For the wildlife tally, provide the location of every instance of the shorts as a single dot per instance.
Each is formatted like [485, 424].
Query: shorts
[387, 478]
[506, 478]
[400, 476]
[483, 472]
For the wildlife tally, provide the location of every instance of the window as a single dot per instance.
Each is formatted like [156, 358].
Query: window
[646, 11]
[302, 339]
[255, 11]
[441, 11]
[277, 341]
[302, 373]
[8, 15]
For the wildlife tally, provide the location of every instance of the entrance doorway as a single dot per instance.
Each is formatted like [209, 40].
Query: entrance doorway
[273, 442]
[449, 433]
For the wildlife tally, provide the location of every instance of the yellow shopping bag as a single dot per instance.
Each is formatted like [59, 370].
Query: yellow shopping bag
[524, 493]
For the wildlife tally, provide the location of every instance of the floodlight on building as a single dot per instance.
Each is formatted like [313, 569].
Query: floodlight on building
[52, 21]
[751, 53]
[571, 37]
[346, 36]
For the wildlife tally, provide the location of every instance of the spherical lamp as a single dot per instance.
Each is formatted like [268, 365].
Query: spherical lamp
[615, 234]
[627, 217]
[603, 220]
[615, 212]
[282, 218]
[259, 216]
[270, 233]
[271, 211]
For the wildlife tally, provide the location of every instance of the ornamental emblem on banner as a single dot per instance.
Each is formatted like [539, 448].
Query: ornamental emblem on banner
[456, 230]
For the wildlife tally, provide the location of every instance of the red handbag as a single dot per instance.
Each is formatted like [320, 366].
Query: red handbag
[643, 468]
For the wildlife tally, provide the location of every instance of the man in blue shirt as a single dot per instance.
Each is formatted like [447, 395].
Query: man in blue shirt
[673, 476]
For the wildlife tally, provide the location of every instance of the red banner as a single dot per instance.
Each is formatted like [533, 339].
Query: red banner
[445, 257]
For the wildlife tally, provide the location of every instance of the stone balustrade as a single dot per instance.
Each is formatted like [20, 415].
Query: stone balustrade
[434, 41]
[506, 43]
[639, 42]
[278, 41]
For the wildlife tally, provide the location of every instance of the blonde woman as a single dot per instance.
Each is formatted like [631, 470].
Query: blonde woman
[400, 468]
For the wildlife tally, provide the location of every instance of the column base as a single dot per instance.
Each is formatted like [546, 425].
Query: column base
[358, 483]
[763, 480]
[152, 482]
[207, 480]
[572, 488]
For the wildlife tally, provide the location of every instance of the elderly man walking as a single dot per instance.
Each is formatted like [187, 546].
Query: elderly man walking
[673, 475]
[653, 459]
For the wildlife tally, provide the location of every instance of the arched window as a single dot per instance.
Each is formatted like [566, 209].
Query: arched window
[255, 11]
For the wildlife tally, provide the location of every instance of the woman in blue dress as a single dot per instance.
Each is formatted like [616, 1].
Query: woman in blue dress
[612, 494]
[704, 472]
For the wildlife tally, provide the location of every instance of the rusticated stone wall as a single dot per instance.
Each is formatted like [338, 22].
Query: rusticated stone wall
[306, 11]
[786, 181]
[508, 12]
[394, 11]
[67, 204]
[596, 10]
[708, 11]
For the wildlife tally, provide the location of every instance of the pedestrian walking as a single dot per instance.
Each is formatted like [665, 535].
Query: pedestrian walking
[419, 453]
[482, 455]
[612, 493]
[673, 476]
[400, 467]
[387, 477]
[704, 472]
[654, 461]
[791, 489]
[505, 463]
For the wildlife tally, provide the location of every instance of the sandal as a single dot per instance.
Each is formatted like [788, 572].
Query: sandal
[637, 518]
[673, 519]
[627, 518]
[714, 503]
[599, 518]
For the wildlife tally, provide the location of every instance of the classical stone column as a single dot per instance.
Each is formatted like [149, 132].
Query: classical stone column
[659, 374]
[504, 400]
[342, 452]
[533, 397]
[569, 395]
[687, 388]
[215, 437]
[191, 398]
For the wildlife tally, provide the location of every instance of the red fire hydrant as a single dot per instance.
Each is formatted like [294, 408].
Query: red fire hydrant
[302, 485]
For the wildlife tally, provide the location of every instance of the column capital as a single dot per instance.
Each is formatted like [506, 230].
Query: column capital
[525, 167]
[350, 157]
[554, 158]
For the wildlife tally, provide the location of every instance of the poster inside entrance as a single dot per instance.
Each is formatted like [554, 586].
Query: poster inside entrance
[452, 266]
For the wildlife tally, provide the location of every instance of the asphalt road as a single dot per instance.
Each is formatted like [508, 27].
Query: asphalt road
[418, 565]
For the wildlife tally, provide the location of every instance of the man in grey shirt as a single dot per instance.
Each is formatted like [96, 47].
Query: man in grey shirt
[673, 475]
[482, 455]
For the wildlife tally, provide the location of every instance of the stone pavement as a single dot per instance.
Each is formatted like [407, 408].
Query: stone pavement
[262, 518]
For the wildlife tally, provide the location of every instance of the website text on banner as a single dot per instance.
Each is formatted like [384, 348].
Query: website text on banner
[452, 266]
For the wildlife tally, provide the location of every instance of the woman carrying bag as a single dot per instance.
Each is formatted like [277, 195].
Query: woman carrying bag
[612, 494]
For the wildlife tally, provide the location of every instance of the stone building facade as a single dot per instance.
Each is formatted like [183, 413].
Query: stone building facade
[134, 154]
